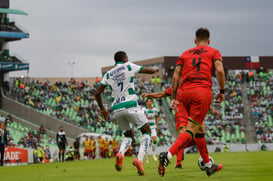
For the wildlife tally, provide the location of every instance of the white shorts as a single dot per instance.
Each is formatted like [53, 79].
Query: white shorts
[153, 131]
[133, 115]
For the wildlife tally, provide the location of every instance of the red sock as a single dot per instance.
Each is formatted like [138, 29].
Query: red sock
[202, 147]
[190, 144]
[182, 140]
[179, 157]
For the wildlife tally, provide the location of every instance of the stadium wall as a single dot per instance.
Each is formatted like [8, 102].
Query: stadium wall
[232, 148]
[211, 149]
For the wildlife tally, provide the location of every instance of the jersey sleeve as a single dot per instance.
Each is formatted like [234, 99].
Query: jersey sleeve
[144, 111]
[104, 81]
[135, 68]
[168, 91]
[180, 61]
[157, 112]
[217, 56]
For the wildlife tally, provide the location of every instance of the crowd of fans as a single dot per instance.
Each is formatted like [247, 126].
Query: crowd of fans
[229, 126]
[260, 90]
[69, 101]
[74, 102]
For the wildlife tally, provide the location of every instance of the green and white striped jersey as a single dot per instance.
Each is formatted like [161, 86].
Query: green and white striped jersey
[150, 115]
[121, 81]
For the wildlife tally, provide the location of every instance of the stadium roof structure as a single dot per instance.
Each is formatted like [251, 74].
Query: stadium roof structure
[12, 11]
[13, 35]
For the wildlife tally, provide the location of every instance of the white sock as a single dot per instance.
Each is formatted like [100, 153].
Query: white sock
[153, 148]
[144, 145]
[169, 155]
[208, 165]
[126, 142]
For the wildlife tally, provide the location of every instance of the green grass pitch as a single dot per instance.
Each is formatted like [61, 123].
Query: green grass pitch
[238, 166]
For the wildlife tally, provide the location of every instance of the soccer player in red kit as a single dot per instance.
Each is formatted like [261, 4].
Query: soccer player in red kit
[181, 118]
[195, 67]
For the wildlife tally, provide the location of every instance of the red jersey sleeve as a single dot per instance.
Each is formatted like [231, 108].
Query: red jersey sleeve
[180, 60]
[217, 56]
[168, 91]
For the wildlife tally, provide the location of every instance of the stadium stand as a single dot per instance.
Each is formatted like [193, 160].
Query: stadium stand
[261, 95]
[74, 102]
[229, 127]
[25, 137]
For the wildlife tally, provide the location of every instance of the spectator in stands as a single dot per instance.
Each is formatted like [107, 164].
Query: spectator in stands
[22, 86]
[9, 119]
[226, 149]
[263, 147]
[40, 153]
[70, 154]
[114, 147]
[107, 144]
[152, 80]
[92, 147]
[86, 144]
[101, 146]
[97, 80]
[42, 129]
[158, 81]
[47, 153]
[35, 155]
[3, 141]
[22, 143]
[6, 87]
[2, 118]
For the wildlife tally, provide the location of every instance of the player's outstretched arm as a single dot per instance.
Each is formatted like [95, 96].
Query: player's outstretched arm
[156, 123]
[99, 101]
[154, 95]
[147, 70]
[221, 81]
[175, 84]
[214, 111]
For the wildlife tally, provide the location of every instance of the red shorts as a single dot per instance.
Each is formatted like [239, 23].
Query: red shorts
[92, 150]
[115, 150]
[87, 150]
[197, 102]
[181, 117]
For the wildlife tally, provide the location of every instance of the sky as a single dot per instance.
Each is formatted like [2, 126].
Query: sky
[78, 37]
